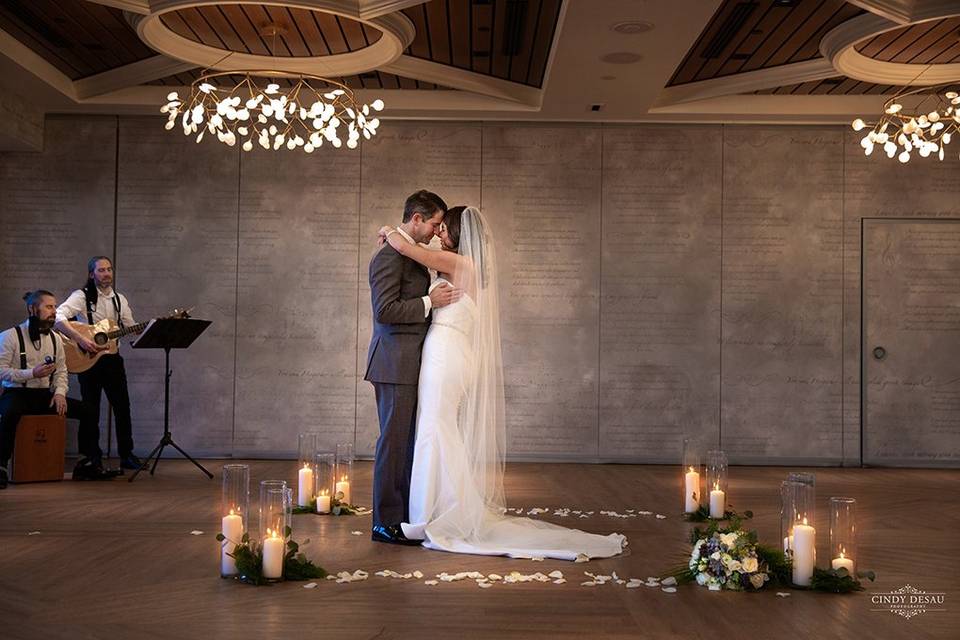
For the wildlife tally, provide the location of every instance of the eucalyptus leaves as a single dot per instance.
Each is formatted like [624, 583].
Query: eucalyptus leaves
[248, 555]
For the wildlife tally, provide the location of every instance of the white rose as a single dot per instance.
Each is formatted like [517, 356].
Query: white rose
[715, 555]
[750, 564]
[702, 579]
[735, 566]
[757, 580]
[728, 539]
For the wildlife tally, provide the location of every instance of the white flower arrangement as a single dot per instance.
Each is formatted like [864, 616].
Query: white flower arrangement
[727, 561]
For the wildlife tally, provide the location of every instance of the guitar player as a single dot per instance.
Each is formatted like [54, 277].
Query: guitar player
[96, 301]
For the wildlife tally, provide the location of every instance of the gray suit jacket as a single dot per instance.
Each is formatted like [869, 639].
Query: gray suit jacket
[397, 285]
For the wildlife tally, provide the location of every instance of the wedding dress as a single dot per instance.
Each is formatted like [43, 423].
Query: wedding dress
[456, 488]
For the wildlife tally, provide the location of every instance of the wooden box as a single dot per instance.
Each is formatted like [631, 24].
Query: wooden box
[39, 449]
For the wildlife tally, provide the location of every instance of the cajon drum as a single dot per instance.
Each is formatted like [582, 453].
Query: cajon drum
[39, 449]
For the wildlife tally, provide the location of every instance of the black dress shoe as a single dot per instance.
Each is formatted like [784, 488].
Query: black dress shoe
[131, 461]
[392, 534]
[91, 469]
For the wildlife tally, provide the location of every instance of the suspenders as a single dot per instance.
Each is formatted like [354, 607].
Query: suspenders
[23, 349]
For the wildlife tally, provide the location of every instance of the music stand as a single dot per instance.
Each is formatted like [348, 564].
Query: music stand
[167, 334]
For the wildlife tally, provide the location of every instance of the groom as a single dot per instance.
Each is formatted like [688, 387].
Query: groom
[401, 314]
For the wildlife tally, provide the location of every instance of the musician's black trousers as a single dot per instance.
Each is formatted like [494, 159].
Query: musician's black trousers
[17, 402]
[110, 376]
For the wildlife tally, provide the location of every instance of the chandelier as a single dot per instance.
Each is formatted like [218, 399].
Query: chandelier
[925, 128]
[305, 115]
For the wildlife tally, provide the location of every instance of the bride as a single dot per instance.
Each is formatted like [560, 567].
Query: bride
[456, 487]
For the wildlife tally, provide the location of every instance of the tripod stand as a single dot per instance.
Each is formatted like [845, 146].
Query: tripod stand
[166, 334]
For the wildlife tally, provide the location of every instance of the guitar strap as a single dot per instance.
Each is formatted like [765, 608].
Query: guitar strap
[116, 305]
[23, 350]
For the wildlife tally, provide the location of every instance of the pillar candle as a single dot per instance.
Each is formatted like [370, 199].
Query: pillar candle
[323, 502]
[305, 486]
[692, 490]
[804, 553]
[842, 561]
[344, 487]
[272, 555]
[232, 530]
[718, 503]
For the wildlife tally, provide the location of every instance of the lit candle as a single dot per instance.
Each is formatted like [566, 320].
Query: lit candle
[323, 502]
[232, 530]
[718, 504]
[804, 553]
[842, 561]
[343, 487]
[305, 486]
[788, 543]
[692, 490]
[272, 555]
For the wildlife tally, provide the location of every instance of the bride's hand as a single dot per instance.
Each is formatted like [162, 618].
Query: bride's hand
[382, 235]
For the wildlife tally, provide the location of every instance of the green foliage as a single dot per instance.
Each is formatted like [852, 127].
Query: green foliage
[703, 515]
[337, 508]
[777, 565]
[839, 580]
[249, 558]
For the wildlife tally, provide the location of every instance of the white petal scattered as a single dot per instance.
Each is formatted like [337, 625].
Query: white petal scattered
[555, 574]
[645, 513]
[196, 532]
[669, 582]
[581, 557]
[484, 585]
[559, 581]
[783, 594]
[310, 585]
[669, 589]
[356, 533]
[430, 583]
[588, 583]
[495, 577]
[660, 516]
[633, 585]
[536, 559]
[417, 574]
[33, 533]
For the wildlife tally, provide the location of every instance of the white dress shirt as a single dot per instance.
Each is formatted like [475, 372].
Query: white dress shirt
[12, 376]
[427, 302]
[76, 305]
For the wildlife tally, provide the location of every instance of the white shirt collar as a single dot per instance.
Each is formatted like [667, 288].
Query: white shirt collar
[106, 293]
[407, 236]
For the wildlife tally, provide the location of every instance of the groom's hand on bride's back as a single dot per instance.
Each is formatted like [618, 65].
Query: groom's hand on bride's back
[443, 294]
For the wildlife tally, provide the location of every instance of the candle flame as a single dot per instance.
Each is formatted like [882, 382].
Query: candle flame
[691, 469]
[324, 492]
[343, 478]
[231, 512]
[804, 521]
[306, 465]
[841, 554]
[716, 486]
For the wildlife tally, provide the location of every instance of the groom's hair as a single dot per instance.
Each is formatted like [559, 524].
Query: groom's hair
[424, 202]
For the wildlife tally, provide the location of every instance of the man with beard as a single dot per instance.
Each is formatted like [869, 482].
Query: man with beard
[33, 374]
[96, 301]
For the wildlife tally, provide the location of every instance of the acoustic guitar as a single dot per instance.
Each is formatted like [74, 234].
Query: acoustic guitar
[106, 332]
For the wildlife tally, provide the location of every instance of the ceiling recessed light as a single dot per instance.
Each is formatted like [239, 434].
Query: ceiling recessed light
[631, 27]
[621, 57]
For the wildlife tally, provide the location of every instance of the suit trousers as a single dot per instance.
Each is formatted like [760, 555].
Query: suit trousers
[110, 376]
[397, 408]
[17, 402]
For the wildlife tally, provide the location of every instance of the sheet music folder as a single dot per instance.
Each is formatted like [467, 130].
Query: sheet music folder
[170, 333]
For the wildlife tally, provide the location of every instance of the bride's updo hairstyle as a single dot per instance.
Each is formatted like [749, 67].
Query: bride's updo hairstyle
[452, 221]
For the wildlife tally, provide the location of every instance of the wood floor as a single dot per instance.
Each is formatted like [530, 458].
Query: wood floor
[117, 560]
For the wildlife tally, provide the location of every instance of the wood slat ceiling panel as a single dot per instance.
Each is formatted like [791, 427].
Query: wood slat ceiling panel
[372, 80]
[746, 35]
[242, 28]
[508, 39]
[78, 38]
[935, 42]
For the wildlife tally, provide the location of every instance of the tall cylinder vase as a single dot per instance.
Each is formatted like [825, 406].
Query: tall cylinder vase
[235, 510]
[843, 534]
[344, 473]
[690, 476]
[307, 449]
